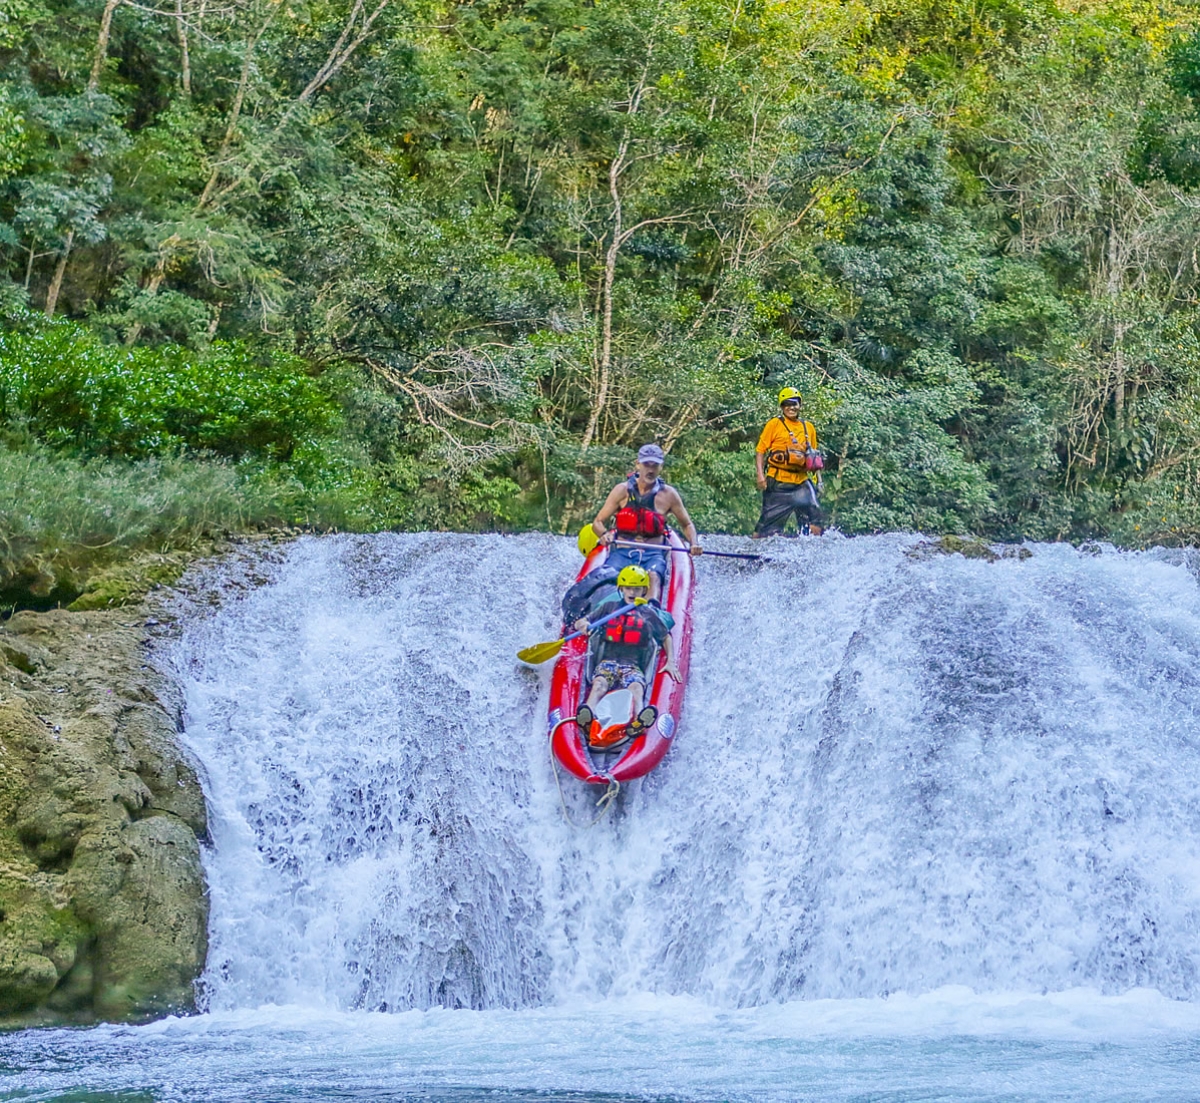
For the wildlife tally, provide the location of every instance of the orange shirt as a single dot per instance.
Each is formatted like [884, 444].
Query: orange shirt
[776, 438]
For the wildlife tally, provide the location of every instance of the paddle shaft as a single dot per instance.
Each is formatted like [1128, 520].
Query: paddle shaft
[723, 555]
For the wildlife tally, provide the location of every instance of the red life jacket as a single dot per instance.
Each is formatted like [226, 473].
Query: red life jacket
[639, 517]
[628, 629]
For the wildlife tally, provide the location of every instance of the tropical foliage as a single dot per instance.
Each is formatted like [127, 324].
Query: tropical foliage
[445, 264]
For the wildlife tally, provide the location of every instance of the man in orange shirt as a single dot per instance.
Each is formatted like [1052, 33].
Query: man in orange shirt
[789, 470]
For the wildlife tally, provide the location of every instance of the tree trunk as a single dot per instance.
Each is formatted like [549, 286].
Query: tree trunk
[1116, 267]
[235, 113]
[102, 45]
[184, 56]
[59, 271]
[1118, 364]
[604, 361]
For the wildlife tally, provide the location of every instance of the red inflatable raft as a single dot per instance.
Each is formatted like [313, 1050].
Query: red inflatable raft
[568, 689]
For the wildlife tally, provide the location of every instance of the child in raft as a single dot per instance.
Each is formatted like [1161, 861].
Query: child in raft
[624, 646]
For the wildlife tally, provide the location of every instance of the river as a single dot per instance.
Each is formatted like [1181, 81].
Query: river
[930, 829]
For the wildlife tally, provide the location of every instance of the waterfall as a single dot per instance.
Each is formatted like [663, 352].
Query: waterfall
[896, 771]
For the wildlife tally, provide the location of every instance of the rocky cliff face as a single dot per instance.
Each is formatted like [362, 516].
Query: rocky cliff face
[103, 911]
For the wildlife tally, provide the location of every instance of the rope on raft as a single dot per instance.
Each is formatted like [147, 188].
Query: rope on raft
[603, 804]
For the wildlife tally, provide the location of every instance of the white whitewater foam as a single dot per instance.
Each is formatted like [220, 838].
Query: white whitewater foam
[894, 774]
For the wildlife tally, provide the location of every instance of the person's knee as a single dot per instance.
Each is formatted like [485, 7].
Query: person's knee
[808, 503]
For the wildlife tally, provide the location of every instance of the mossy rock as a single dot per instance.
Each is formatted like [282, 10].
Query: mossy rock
[36, 582]
[129, 582]
[968, 547]
[39, 946]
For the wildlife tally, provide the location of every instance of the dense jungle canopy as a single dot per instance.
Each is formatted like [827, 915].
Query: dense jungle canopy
[410, 263]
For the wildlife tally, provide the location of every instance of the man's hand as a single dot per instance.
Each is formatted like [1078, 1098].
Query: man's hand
[672, 672]
[608, 537]
[696, 549]
[762, 482]
[581, 624]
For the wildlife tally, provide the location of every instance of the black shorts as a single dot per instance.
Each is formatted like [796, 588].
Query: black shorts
[781, 500]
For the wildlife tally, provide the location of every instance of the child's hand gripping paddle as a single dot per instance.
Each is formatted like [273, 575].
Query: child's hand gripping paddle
[540, 652]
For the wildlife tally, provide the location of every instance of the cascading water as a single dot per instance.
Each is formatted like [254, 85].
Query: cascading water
[930, 829]
[897, 771]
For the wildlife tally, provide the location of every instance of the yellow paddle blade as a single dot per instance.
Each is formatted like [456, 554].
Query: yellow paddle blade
[587, 539]
[540, 652]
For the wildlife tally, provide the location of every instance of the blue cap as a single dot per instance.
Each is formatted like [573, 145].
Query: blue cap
[650, 453]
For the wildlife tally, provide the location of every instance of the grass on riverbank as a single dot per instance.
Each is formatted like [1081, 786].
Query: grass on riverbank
[65, 521]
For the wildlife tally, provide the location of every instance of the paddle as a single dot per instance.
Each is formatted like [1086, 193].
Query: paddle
[540, 652]
[587, 539]
[684, 551]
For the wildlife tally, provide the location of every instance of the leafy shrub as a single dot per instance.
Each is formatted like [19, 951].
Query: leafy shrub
[70, 389]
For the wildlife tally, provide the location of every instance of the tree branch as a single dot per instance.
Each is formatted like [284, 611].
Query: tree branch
[335, 60]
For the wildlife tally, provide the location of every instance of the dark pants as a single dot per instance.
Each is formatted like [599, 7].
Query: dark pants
[781, 500]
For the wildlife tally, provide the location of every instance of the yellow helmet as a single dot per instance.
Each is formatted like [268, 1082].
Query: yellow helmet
[790, 393]
[633, 576]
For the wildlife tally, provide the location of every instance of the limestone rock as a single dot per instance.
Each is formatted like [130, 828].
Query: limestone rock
[103, 912]
[23, 654]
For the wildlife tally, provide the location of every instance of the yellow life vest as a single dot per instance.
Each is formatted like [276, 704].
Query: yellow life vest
[794, 459]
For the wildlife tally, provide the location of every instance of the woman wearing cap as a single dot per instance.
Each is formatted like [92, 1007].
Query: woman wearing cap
[639, 508]
[788, 448]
